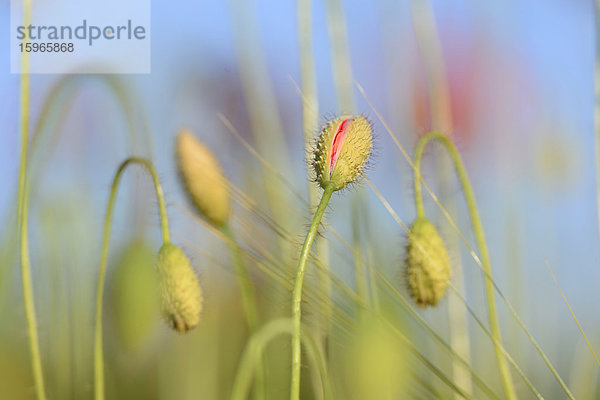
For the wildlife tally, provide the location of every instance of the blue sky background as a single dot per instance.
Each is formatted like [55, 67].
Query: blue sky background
[535, 92]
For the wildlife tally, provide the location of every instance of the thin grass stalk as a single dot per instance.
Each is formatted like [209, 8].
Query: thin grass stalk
[98, 344]
[347, 320]
[339, 284]
[310, 122]
[245, 282]
[340, 56]
[512, 362]
[258, 90]
[583, 374]
[459, 327]
[456, 357]
[249, 303]
[272, 273]
[413, 313]
[341, 65]
[22, 201]
[421, 357]
[562, 294]
[433, 60]
[265, 122]
[360, 272]
[308, 79]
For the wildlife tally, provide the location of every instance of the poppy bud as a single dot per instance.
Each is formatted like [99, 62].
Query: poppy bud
[427, 264]
[181, 296]
[342, 150]
[203, 179]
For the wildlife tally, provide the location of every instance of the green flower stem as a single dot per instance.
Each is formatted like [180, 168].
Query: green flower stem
[98, 354]
[256, 347]
[22, 202]
[297, 293]
[249, 303]
[509, 389]
[28, 300]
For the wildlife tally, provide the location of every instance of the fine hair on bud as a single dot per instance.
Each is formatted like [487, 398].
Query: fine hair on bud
[180, 293]
[343, 148]
[427, 264]
[203, 179]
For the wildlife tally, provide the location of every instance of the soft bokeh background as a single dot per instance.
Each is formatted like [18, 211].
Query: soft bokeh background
[521, 87]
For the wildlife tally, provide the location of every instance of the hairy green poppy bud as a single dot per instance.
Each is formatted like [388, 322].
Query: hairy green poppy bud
[203, 179]
[342, 150]
[181, 296]
[427, 263]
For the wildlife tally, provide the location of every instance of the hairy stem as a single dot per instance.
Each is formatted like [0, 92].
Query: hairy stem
[297, 293]
[509, 389]
[98, 353]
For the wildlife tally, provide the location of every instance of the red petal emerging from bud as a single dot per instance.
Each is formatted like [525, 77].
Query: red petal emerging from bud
[342, 150]
[336, 144]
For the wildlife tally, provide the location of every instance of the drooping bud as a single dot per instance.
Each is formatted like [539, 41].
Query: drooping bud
[342, 150]
[203, 179]
[427, 264]
[181, 296]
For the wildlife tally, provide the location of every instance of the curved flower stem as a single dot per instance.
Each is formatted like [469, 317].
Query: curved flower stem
[509, 389]
[22, 202]
[28, 300]
[248, 301]
[98, 354]
[418, 187]
[256, 347]
[297, 293]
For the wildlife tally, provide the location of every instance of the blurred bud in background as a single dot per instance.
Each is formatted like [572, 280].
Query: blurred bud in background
[134, 301]
[557, 163]
[376, 367]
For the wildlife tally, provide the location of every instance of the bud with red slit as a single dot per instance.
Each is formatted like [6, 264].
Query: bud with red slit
[342, 150]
